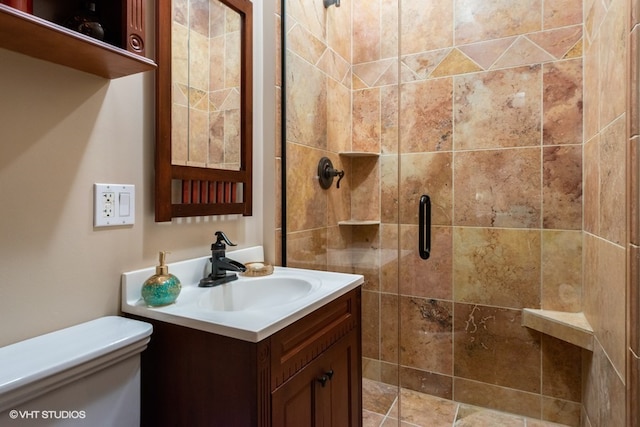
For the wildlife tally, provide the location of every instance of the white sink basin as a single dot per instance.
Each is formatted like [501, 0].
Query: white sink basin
[250, 308]
[257, 293]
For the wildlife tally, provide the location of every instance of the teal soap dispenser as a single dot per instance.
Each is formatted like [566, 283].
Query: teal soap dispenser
[162, 288]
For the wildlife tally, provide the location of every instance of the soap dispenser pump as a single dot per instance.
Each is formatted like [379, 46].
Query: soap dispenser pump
[162, 288]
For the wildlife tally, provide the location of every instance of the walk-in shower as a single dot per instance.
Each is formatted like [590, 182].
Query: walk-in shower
[487, 121]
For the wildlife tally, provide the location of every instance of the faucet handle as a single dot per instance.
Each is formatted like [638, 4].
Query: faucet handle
[221, 239]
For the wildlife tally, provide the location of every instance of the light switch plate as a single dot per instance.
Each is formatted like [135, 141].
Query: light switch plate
[114, 205]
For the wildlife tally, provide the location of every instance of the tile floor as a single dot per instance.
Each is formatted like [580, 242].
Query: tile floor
[422, 410]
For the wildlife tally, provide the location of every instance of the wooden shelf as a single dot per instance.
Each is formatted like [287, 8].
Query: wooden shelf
[39, 38]
[570, 327]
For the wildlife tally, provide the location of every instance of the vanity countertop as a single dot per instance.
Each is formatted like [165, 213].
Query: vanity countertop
[224, 309]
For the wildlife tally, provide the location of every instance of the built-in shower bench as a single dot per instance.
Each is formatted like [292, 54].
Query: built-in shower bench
[570, 327]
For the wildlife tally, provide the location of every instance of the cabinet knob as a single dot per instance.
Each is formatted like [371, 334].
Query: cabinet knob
[326, 377]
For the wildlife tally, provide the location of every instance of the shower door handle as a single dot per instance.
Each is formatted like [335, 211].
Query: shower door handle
[424, 227]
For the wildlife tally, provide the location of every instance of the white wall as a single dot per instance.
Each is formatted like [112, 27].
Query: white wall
[61, 131]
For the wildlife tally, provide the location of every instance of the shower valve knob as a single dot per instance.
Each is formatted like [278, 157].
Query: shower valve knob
[326, 173]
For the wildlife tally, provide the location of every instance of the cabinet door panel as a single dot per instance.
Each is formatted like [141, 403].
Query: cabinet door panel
[292, 403]
[308, 399]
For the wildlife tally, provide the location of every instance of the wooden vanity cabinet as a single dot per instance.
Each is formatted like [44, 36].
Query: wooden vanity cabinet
[307, 374]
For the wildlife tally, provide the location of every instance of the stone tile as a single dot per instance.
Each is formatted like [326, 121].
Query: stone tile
[366, 31]
[366, 120]
[425, 28]
[334, 65]
[498, 108]
[378, 397]
[390, 11]
[591, 190]
[470, 416]
[307, 249]
[498, 188]
[634, 79]
[431, 174]
[562, 187]
[591, 90]
[455, 63]
[560, 13]
[389, 342]
[425, 116]
[371, 324]
[603, 391]
[430, 278]
[425, 410]
[426, 339]
[389, 197]
[604, 296]
[422, 64]
[561, 369]
[558, 413]
[389, 373]
[477, 20]
[522, 52]
[308, 209]
[497, 398]
[557, 41]
[365, 188]
[365, 253]
[612, 182]
[338, 117]
[486, 53]
[562, 103]
[371, 369]
[389, 273]
[562, 270]
[370, 72]
[499, 267]
[337, 21]
[306, 104]
[311, 15]
[371, 419]
[427, 382]
[389, 120]
[613, 64]
[491, 346]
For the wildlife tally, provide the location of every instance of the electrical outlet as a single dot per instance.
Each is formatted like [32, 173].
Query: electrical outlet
[108, 199]
[114, 205]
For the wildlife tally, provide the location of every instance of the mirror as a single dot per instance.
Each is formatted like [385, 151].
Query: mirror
[203, 116]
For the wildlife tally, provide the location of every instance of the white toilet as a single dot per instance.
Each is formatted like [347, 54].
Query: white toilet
[84, 375]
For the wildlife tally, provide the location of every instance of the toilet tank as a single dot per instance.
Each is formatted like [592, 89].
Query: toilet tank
[84, 375]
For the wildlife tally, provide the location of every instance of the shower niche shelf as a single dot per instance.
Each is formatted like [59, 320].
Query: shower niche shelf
[570, 327]
[361, 193]
[358, 154]
[356, 222]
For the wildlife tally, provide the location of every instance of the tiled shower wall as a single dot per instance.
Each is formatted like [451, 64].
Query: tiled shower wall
[605, 221]
[481, 108]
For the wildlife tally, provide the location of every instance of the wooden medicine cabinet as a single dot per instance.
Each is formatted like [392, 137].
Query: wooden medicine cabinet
[203, 108]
